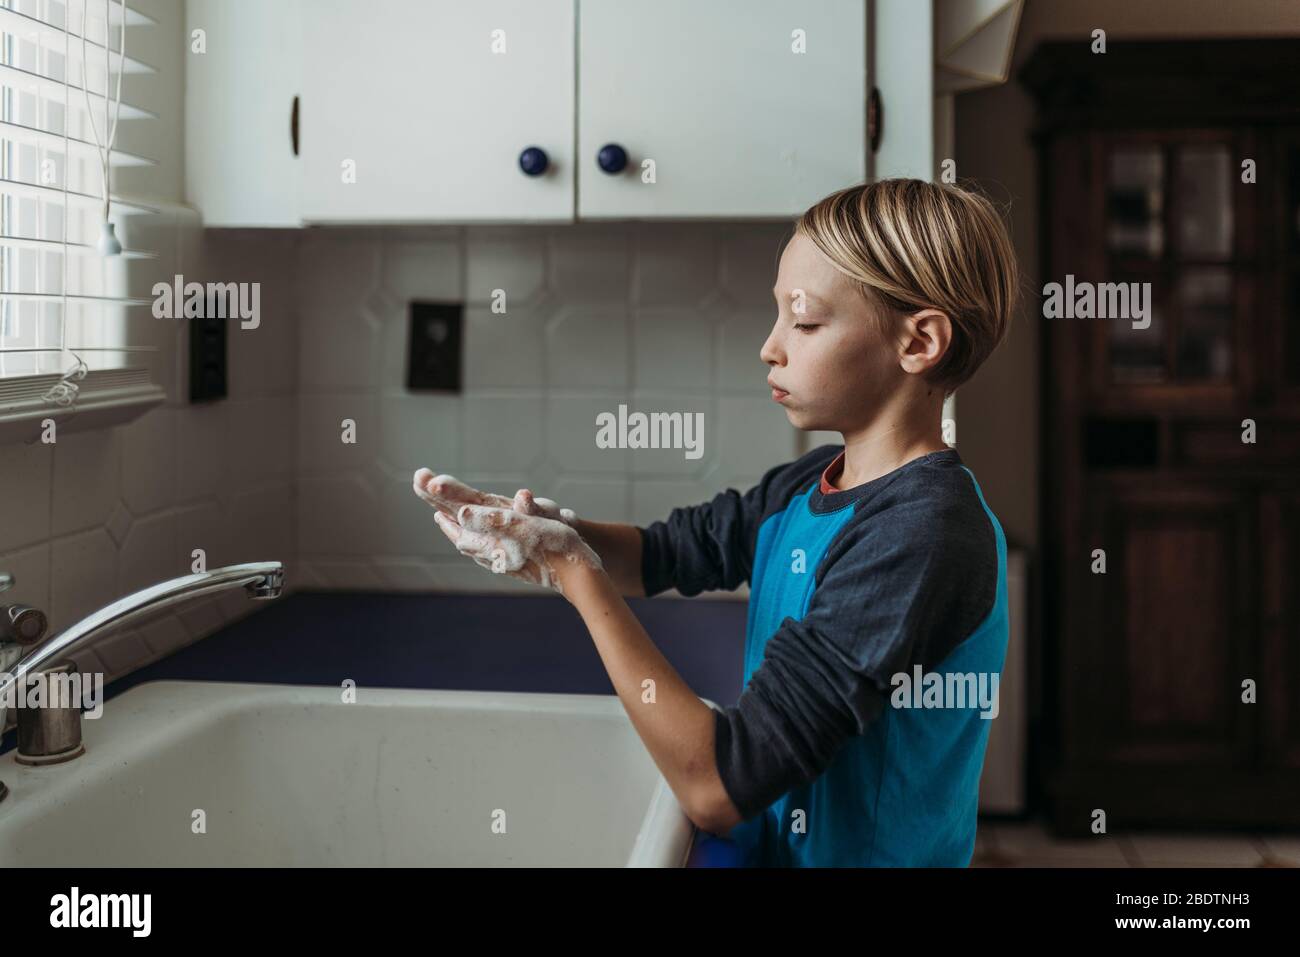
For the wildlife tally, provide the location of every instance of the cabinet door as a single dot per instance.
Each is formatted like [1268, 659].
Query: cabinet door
[240, 167]
[1165, 636]
[419, 111]
[736, 121]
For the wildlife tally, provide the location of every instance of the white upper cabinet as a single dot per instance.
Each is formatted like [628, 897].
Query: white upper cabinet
[465, 111]
[742, 108]
[243, 72]
[420, 110]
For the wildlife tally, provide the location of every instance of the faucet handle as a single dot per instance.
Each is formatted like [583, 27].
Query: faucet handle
[22, 624]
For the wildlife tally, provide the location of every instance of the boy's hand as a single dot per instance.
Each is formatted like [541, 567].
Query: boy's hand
[447, 494]
[529, 547]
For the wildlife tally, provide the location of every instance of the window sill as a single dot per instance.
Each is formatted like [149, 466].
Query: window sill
[106, 398]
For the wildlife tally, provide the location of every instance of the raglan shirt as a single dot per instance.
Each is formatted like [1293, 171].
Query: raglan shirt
[849, 588]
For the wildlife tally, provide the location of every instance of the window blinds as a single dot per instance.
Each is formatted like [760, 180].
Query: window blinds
[62, 305]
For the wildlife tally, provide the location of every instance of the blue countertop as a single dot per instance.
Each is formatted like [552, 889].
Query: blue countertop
[453, 642]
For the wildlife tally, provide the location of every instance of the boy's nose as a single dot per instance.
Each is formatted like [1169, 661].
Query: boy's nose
[771, 352]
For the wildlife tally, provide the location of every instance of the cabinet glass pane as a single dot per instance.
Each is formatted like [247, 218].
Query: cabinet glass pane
[1135, 199]
[1203, 221]
[1205, 332]
[1139, 356]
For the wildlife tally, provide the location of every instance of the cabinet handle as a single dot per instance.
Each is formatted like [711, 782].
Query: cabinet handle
[293, 126]
[612, 158]
[875, 119]
[534, 161]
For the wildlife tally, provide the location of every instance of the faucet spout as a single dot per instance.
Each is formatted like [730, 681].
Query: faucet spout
[262, 580]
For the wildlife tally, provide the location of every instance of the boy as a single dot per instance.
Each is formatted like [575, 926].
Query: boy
[869, 564]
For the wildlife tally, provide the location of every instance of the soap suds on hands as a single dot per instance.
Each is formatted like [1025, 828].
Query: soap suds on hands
[522, 546]
[522, 537]
[447, 494]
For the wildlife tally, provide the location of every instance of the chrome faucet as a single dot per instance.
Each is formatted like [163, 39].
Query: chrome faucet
[22, 627]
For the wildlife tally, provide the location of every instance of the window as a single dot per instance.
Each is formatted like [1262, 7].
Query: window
[63, 308]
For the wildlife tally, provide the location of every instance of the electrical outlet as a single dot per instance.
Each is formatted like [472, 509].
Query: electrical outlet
[207, 359]
[434, 346]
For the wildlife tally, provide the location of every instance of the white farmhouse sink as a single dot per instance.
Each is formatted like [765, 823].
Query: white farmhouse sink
[290, 775]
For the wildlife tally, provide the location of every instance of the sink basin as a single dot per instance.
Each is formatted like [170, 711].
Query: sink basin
[288, 775]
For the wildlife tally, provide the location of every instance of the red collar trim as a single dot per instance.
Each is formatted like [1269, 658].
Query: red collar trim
[832, 472]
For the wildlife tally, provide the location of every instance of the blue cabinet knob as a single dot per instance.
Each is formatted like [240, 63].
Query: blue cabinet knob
[533, 161]
[612, 158]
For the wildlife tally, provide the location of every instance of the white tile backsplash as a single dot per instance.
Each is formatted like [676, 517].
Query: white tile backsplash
[420, 432]
[511, 260]
[121, 651]
[742, 330]
[660, 316]
[749, 257]
[570, 435]
[26, 494]
[204, 525]
[659, 360]
[590, 263]
[752, 435]
[201, 451]
[505, 350]
[149, 553]
[672, 463]
[30, 568]
[587, 347]
[339, 351]
[502, 432]
[421, 270]
[83, 576]
[338, 515]
[86, 478]
[259, 439]
[148, 461]
[673, 266]
[321, 430]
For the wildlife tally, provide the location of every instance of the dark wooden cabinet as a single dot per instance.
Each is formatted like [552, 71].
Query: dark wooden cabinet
[1170, 175]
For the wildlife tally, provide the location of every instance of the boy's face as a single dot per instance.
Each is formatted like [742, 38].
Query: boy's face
[833, 366]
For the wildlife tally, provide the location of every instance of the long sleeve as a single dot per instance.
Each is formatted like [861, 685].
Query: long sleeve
[711, 546]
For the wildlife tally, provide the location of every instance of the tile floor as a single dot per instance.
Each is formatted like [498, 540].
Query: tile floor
[1006, 843]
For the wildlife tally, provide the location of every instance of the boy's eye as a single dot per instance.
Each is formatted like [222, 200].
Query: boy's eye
[805, 326]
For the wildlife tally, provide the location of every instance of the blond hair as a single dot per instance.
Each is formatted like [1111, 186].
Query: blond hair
[908, 245]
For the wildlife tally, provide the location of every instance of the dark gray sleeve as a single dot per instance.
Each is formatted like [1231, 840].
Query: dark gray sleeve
[892, 592]
[708, 546]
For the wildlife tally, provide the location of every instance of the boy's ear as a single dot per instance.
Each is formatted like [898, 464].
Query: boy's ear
[924, 339]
